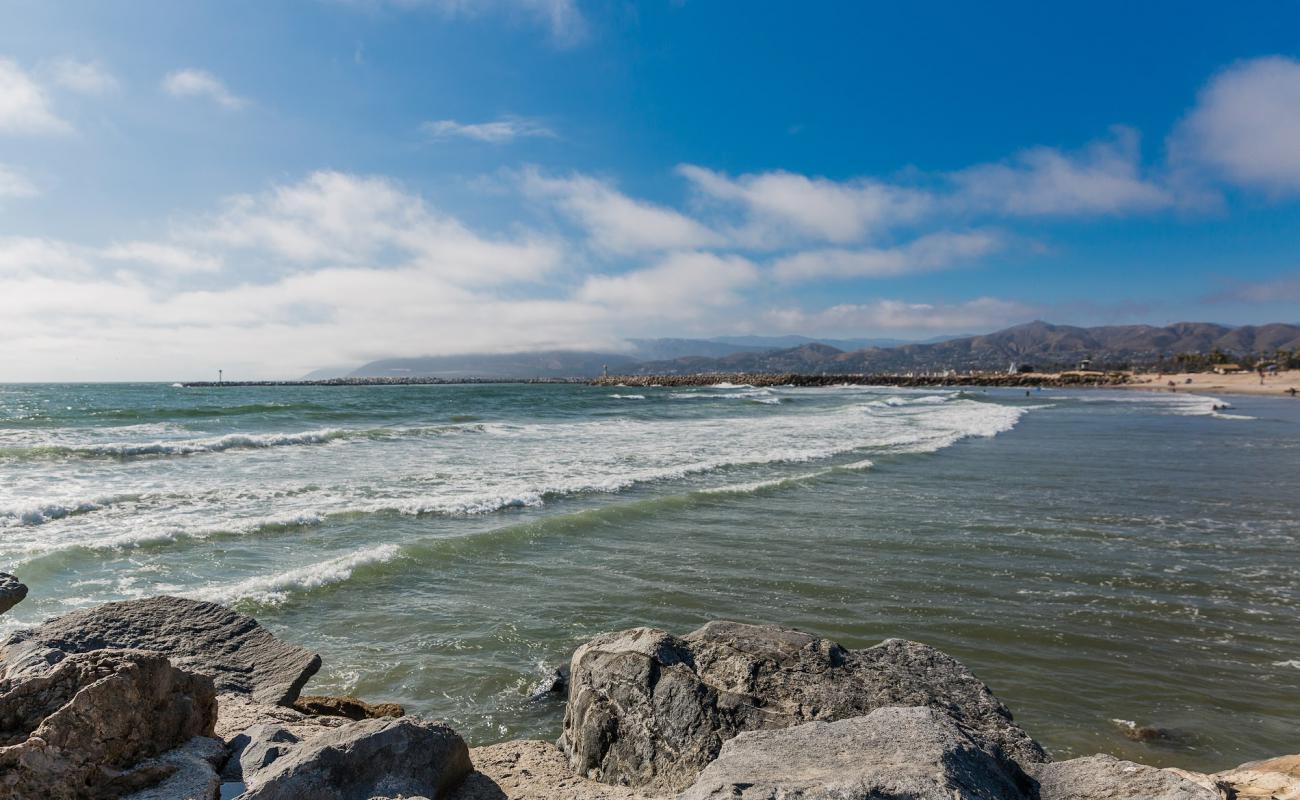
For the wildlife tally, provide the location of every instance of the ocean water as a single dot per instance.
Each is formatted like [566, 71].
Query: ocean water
[1094, 556]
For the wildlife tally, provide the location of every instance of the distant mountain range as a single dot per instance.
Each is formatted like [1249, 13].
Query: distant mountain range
[1038, 344]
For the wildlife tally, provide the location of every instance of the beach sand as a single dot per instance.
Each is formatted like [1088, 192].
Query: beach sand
[1202, 382]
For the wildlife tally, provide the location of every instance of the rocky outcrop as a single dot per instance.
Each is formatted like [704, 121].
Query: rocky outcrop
[194, 775]
[648, 709]
[239, 655]
[346, 706]
[12, 592]
[531, 770]
[1103, 777]
[913, 753]
[1274, 778]
[370, 758]
[88, 727]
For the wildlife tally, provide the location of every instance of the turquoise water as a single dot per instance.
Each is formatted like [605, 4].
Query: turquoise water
[1094, 556]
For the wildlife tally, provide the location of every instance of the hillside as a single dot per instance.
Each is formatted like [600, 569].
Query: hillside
[1038, 344]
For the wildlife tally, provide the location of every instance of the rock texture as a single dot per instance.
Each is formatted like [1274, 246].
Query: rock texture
[1275, 778]
[371, 758]
[651, 710]
[1103, 777]
[346, 706]
[12, 592]
[238, 654]
[904, 753]
[531, 770]
[83, 729]
[195, 776]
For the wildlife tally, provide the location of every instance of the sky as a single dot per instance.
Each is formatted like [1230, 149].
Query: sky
[271, 188]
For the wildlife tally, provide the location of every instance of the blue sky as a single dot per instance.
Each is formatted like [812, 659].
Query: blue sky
[276, 187]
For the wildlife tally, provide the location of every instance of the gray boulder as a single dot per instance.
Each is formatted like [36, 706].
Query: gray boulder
[89, 727]
[195, 776]
[1103, 777]
[369, 758]
[239, 655]
[12, 592]
[651, 710]
[903, 753]
[256, 749]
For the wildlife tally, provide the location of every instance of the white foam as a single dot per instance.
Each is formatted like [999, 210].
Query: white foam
[756, 486]
[628, 396]
[1294, 662]
[275, 589]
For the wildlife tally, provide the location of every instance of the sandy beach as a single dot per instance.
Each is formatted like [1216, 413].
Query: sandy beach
[1276, 385]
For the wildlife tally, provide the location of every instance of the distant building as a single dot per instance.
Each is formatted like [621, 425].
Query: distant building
[1229, 369]
[1085, 365]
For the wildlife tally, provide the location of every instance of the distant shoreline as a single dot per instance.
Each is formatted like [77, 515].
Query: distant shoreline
[1277, 385]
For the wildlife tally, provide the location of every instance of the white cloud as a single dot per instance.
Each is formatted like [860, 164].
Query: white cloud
[562, 18]
[24, 255]
[1104, 178]
[168, 257]
[930, 252]
[679, 285]
[786, 203]
[199, 83]
[1245, 127]
[616, 222]
[24, 108]
[499, 131]
[86, 77]
[14, 184]
[900, 317]
[333, 218]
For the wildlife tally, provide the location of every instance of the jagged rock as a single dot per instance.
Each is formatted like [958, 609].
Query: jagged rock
[239, 655]
[368, 758]
[195, 777]
[88, 727]
[649, 709]
[346, 706]
[892, 753]
[12, 592]
[556, 682]
[1103, 777]
[238, 712]
[531, 770]
[1277, 778]
[256, 749]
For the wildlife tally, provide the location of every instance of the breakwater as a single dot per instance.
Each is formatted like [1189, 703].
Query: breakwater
[393, 381]
[1028, 380]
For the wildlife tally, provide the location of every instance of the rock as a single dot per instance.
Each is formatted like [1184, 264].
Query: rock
[555, 683]
[892, 753]
[1273, 778]
[531, 770]
[649, 709]
[256, 749]
[238, 712]
[368, 758]
[195, 777]
[346, 706]
[1103, 777]
[239, 655]
[12, 592]
[88, 727]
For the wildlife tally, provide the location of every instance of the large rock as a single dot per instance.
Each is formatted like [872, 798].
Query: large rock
[195, 776]
[88, 727]
[239, 655]
[1103, 777]
[346, 706]
[12, 592]
[890, 754]
[370, 758]
[649, 709]
[1275, 778]
[531, 770]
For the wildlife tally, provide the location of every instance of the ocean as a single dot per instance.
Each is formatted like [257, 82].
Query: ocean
[1096, 556]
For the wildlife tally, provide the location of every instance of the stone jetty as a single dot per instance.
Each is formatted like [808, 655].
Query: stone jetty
[174, 699]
